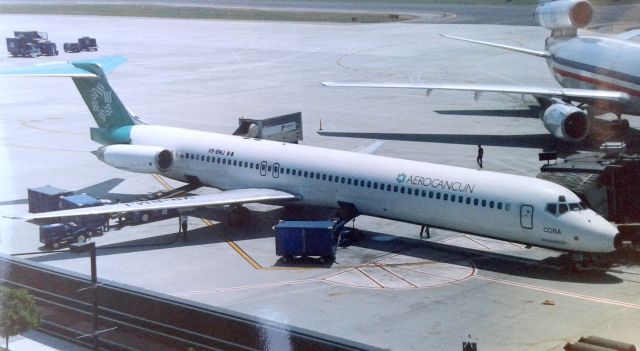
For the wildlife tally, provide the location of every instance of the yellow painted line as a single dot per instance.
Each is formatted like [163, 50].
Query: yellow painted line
[230, 242]
[235, 246]
[163, 182]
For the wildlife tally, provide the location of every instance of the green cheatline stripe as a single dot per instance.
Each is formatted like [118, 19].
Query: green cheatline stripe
[200, 13]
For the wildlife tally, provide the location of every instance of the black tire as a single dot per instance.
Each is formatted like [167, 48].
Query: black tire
[145, 217]
[624, 125]
[327, 259]
[82, 238]
[55, 245]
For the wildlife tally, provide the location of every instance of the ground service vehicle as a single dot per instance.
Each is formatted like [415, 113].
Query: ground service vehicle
[16, 47]
[31, 44]
[307, 238]
[56, 234]
[87, 44]
[71, 47]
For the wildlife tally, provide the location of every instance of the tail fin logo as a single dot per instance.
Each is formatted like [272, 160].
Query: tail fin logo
[101, 99]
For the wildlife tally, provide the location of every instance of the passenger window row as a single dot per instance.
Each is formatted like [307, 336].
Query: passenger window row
[431, 194]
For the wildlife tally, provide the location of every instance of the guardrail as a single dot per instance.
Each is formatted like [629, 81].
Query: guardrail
[137, 319]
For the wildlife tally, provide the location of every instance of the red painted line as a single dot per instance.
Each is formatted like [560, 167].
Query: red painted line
[597, 82]
[368, 276]
[399, 277]
[477, 242]
[452, 280]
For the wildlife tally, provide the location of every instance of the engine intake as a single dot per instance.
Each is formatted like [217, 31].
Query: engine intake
[566, 122]
[136, 158]
[564, 14]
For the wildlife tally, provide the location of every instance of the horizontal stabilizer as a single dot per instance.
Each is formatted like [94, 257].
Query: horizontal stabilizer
[238, 196]
[65, 69]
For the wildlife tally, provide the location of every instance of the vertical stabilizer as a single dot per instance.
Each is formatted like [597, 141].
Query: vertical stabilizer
[90, 77]
[104, 104]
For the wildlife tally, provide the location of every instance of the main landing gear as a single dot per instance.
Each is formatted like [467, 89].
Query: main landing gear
[237, 215]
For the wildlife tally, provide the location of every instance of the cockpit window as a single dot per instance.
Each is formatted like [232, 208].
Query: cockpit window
[575, 207]
[562, 208]
[551, 208]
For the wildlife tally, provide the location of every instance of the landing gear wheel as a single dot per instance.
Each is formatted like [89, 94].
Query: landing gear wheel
[624, 125]
[327, 259]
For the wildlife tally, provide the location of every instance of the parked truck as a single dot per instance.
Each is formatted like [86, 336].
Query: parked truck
[31, 44]
[83, 44]
[57, 234]
[87, 44]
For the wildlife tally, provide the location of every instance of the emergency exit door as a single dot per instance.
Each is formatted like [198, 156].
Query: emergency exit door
[526, 216]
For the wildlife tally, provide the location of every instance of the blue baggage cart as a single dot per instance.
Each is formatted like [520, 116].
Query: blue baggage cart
[307, 238]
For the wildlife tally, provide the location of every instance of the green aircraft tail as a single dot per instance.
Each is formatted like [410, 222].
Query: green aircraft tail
[90, 77]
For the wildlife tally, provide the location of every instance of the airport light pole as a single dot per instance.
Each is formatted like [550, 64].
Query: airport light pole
[91, 247]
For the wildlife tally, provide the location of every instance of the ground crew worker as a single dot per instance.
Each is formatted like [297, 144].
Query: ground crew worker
[480, 154]
[422, 229]
[184, 223]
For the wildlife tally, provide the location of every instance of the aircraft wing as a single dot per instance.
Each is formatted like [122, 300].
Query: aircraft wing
[544, 54]
[585, 95]
[228, 197]
[629, 35]
[371, 148]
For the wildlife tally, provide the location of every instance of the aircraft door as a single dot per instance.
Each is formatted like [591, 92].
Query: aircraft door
[276, 170]
[263, 168]
[526, 216]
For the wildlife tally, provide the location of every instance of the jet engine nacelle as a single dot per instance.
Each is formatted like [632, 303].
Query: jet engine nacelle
[566, 122]
[564, 14]
[136, 158]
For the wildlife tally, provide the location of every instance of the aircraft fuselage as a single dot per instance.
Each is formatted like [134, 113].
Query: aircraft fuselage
[502, 206]
[598, 63]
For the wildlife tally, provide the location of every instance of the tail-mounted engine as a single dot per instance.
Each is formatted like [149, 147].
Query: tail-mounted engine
[136, 158]
[566, 122]
[564, 16]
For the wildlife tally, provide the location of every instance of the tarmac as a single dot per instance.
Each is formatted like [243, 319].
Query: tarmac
[391, 289]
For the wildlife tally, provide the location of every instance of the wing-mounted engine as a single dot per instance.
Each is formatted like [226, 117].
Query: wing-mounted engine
[136, 158]
[564, 17]
[566, 122]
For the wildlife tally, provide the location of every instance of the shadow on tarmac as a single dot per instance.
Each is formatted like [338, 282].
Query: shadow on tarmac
[551, 269]
[601, 132]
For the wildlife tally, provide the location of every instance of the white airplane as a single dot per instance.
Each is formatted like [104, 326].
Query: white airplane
[507, 207]
[596, 74]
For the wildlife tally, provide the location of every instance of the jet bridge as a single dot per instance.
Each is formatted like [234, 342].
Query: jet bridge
[609, 185]
[286, 128]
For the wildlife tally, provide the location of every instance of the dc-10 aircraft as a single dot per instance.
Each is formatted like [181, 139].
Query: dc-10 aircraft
[596, 74]
[502, 206]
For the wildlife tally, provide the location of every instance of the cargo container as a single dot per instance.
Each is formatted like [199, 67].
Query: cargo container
[46, 198]
[307, 238]
[93, 223]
